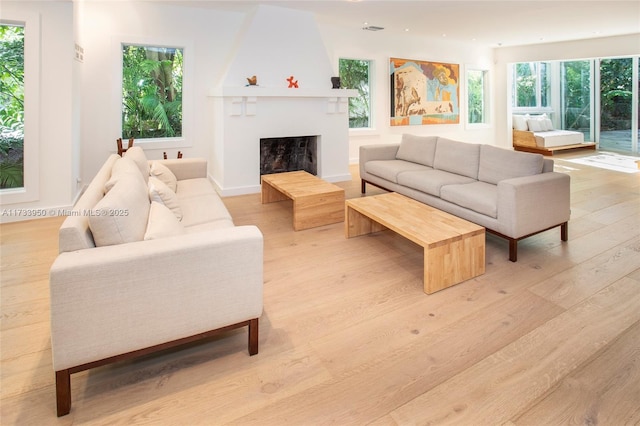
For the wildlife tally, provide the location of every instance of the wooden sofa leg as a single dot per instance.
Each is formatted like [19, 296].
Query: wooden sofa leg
[363, 185]
[253, 336]
[63, 392]
[513, 250]
[564, 231]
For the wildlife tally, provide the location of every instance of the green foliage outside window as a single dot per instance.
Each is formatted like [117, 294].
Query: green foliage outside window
[577, 95]
[616, 92]
[11, 106]
[354, 74]
[476, 96]
[151, 92]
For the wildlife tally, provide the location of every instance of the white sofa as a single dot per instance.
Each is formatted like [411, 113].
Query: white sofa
[153, 263]
[512, 194]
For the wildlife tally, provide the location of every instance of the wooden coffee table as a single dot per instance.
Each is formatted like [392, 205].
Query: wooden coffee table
[315, 201]
[453, 247]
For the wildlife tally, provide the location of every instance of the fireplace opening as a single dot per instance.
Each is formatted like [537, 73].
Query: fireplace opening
[288, 154]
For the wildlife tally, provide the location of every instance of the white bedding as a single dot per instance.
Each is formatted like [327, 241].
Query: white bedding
[553, 138]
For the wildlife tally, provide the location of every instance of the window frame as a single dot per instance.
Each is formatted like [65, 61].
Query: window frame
[188, 57]
[486, 105]
[538, 107]
[370, 78]
[30, 191]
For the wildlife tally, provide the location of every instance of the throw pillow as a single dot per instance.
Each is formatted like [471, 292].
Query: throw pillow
[160, 192]
[120, 168]
[163, 173]
[121, 216]
[137, 155]
[162, 223]
[548, 124]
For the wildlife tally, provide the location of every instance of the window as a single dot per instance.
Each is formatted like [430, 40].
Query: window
[355, 74]
[11, 106]
[531, 85]
[477, 96]
[152, 92]
[577, 89]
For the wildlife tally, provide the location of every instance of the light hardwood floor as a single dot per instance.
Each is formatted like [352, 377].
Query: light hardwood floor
[348, 336]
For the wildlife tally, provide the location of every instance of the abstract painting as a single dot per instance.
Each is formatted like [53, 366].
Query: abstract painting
[424, 92]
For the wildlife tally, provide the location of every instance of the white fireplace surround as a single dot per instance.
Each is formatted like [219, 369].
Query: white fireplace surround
[275, 44]
[244, 115]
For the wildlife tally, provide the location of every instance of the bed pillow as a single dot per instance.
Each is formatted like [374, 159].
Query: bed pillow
[520, 122]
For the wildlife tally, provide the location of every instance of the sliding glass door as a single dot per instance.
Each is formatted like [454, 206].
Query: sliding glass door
[576, 106]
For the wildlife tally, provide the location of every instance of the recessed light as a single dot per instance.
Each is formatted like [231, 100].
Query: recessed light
[406, 30]
[444, 35]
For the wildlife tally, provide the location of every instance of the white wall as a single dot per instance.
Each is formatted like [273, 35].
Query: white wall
[104, 25]
[56, 131]
[379, 47]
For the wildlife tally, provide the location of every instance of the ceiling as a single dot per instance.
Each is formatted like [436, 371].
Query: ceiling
[488, 23]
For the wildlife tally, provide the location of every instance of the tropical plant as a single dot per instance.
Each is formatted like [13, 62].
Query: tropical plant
[151, 92]
[11, 106]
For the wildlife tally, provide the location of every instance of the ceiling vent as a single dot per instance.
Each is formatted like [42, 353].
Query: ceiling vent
[372, 28]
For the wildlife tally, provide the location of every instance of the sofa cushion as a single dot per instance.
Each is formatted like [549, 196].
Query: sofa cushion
[162, 172]
[161, 193]
[202, 209]
[121, 216]
[138, 156]
[480, 197]
[162, 223]
[417, 149]
[457, 157]
[121, 167]
[193, 187]
[430, 181]
[497, 164]
[389, 169]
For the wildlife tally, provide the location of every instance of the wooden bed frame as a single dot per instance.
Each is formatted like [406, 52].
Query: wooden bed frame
[524, 140]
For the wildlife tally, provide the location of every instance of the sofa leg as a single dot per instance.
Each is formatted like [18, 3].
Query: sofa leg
[564, 231]
[63, 392]
[253, 336]
[513, 250]
[363, 185]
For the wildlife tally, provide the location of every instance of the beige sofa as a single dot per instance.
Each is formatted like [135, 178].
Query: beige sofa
[154, 262]
[512, 194]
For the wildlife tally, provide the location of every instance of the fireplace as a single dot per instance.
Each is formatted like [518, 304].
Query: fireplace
[288, 154]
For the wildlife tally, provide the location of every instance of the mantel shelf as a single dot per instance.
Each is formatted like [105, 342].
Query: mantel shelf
[279, 92]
